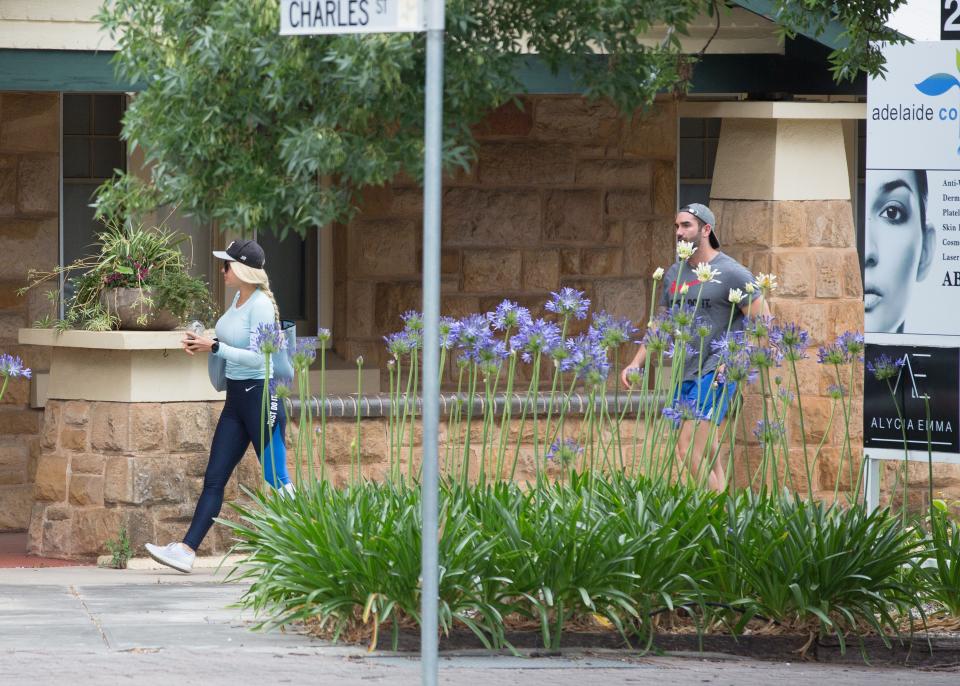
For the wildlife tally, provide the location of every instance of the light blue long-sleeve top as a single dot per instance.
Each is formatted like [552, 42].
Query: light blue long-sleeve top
[234, 330]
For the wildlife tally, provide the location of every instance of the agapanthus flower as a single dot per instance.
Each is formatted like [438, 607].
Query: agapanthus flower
[538, 336]
[609, 331]
[705, 273]
[735, 295]
[508, 315]
[685, 250]
[474, 330]
[683, 410]
[304, 353]
[846, 349]
[11, 366]
[489, 355]
[766, 283]
[268, 339]
[658, 274]
[568, 301]
[656, 339]
[413, 326]
[834, 391]
[729, 344]
[749, 288]
[787, 395]
[449, 330]
[764, 358]
[634, 376]
[400, 343]
[883, 367]
[737, 369]
[769, 432]
[565, 452]
[585, 357]
[702, 328]
[791, 340]
[323, 335]
[757, 328]
[679, 347]
[684, 289]
[682, 316]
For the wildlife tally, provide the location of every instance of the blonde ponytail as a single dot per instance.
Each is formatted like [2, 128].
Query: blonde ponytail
[259, 278]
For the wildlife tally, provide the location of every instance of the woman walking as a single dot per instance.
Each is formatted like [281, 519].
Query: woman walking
[240, 420]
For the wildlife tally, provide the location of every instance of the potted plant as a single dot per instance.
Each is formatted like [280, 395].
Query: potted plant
[138, 280]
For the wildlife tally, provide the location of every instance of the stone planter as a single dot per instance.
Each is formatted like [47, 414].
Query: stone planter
[136, 313]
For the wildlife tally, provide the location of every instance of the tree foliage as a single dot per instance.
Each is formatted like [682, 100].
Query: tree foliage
[254, 129]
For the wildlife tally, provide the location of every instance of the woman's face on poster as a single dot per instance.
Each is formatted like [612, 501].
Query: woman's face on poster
[898, 246]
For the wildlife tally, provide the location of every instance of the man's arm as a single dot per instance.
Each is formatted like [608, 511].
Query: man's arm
[756, 307]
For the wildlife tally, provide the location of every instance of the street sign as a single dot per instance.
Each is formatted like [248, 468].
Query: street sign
[310, 17]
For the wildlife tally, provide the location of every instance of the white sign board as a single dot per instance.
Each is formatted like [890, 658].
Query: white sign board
[309, 17]
[911, 258]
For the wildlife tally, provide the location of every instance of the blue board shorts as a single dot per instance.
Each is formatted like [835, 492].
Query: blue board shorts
[713, 402]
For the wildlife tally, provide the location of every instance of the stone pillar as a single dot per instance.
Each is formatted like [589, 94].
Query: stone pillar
[29, 206]
[781, 193]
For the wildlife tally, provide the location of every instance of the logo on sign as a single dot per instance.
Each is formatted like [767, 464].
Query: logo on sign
[938, 84]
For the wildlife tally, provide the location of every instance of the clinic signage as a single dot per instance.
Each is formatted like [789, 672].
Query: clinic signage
[911, 258]
[311, 17]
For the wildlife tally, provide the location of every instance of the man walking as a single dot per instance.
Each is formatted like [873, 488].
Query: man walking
[696, 224]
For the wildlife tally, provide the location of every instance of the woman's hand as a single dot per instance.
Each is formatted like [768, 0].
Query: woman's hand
[192, 343]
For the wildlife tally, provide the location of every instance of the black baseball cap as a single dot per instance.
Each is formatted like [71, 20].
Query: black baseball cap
[704, 214]
[246, 252]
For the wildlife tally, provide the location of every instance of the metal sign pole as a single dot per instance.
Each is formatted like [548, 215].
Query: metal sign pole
[433, 141]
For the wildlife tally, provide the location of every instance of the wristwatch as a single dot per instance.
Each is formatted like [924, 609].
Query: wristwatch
[216, 345]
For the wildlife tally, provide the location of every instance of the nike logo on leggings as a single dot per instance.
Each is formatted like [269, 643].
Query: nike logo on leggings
[249, 389]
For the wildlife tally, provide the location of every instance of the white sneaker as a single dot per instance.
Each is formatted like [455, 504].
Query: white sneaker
[174, 555]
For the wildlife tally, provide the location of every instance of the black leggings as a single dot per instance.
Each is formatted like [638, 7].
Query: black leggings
[239, 426]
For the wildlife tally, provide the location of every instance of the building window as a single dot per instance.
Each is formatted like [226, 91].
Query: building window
[91, 151]
[697, 155]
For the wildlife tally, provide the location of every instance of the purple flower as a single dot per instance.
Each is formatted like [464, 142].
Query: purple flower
[323, 335]
[268, 339]
[565, 452]
[883, 368]
[682, 316]
[846, 349]
[685, 349]
[567, 302]
[757, 328]
[449, 332]
[769, 432]
[535, 337]
[400, 343]
[585, 357]
[791, 340]
[737, 369]
[508, 315]
[764, 358]
[474, 330]
[610, 331]
[683, 410]
[304, 353]
[412, 320]
[489, 354]
[729, 345]
[11, 366]
[656, 339]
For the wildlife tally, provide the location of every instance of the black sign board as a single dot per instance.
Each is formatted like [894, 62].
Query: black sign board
[950, 20]
[926, 371]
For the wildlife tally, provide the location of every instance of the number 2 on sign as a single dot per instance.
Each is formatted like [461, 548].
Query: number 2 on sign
[952, 24]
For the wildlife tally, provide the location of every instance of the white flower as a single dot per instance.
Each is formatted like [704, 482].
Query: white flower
[735, 296]
[658, 274]
[685, 249]
[684, 289]
[749, 288]
[704, 273]
[766, 282]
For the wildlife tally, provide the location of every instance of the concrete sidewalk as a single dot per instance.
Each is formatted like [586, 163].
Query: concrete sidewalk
[84, 625]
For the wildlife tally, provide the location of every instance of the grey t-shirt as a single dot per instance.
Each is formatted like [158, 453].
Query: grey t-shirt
[714, 304]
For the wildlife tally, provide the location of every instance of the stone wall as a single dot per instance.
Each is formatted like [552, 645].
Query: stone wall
[107, 465]
[565, 192]
[29, 227]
